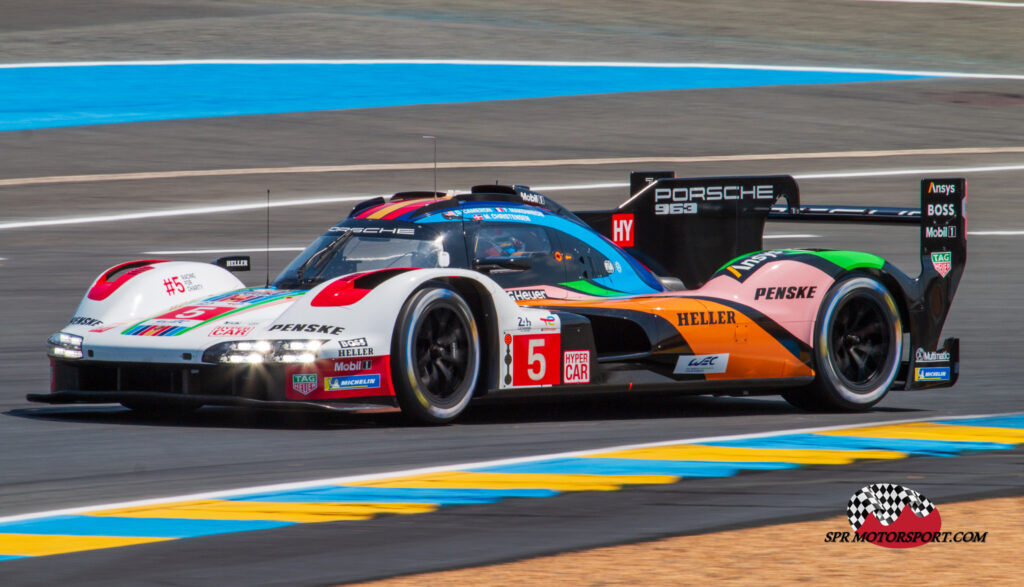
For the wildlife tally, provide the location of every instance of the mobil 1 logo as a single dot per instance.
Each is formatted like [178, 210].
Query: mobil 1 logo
[942, 212]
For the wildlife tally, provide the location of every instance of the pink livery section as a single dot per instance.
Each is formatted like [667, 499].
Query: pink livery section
[788, 292]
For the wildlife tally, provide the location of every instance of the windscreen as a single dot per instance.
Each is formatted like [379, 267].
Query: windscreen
[332, 256]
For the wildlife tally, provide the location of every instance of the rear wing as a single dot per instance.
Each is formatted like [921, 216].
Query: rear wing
[689, 227]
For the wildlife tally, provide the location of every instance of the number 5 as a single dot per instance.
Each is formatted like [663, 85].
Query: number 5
[195, 312]
[535, 357]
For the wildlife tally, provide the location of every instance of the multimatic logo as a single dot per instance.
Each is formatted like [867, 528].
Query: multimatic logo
[705, 318]
[923, 356]
[792, 292]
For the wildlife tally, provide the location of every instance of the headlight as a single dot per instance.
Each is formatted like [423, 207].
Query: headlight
[263, 351]
[64, 346]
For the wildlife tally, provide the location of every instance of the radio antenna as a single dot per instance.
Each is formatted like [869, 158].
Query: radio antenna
[434, 139]
[268, 238]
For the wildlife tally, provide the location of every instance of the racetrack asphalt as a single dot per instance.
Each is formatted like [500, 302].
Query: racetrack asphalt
[68, 456]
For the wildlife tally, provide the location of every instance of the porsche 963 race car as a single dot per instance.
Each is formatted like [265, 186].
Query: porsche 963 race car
[426, 300]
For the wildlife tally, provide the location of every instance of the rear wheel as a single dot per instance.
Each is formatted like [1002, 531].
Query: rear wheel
[436, 353]
[858, 342]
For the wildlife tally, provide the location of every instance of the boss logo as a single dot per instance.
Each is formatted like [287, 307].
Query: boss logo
[941, 210]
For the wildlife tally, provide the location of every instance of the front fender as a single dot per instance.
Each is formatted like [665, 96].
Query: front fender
[138, 289]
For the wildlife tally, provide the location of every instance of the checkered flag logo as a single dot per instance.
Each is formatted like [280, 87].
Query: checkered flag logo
[886, 501]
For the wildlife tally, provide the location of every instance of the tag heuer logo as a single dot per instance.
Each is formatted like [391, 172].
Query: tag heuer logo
[942, 262]
[304, 383]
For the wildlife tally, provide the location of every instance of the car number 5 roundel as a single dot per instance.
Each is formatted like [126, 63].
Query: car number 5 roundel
[536, 359]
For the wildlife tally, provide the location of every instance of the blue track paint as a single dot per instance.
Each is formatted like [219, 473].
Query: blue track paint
[601, 466]
[941, 448]
[994, 422]
[45, 97]
[134, 527]
[86, 525]
[395, 495]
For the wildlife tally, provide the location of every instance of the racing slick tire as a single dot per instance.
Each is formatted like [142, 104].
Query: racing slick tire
[436, 355]
[858, 343]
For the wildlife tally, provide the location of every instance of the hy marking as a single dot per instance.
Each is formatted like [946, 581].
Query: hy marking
[467, 466]
[189, 173]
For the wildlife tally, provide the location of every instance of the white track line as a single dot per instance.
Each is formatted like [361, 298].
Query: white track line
[645, 64]
[219, 251]
[491, 463]
[188, 173]
[181, 212]
[964, 2]
[280, 249]
[924, 171]
[556, 188]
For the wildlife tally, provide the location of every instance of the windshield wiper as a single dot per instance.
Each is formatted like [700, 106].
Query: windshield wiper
[300, 272]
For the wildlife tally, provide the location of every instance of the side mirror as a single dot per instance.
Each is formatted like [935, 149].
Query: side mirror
[234, 263]
[489, 264]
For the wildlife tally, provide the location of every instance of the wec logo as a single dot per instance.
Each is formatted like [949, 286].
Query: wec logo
[701, 364]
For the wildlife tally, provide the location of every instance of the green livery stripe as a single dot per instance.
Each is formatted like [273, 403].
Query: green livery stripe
[590, 288]
[849, 260]
[745, 255]
[274, 298]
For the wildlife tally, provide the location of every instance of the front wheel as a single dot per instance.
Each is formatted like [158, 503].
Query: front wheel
[436, 353]
[858, 342]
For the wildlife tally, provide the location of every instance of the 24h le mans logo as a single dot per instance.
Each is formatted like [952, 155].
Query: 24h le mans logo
[943, 262]
[882, 511]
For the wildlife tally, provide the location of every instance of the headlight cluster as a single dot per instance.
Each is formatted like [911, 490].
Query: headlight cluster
[64, 346]
[256, 352]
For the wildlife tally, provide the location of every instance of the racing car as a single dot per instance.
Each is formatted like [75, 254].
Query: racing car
[426, 300]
